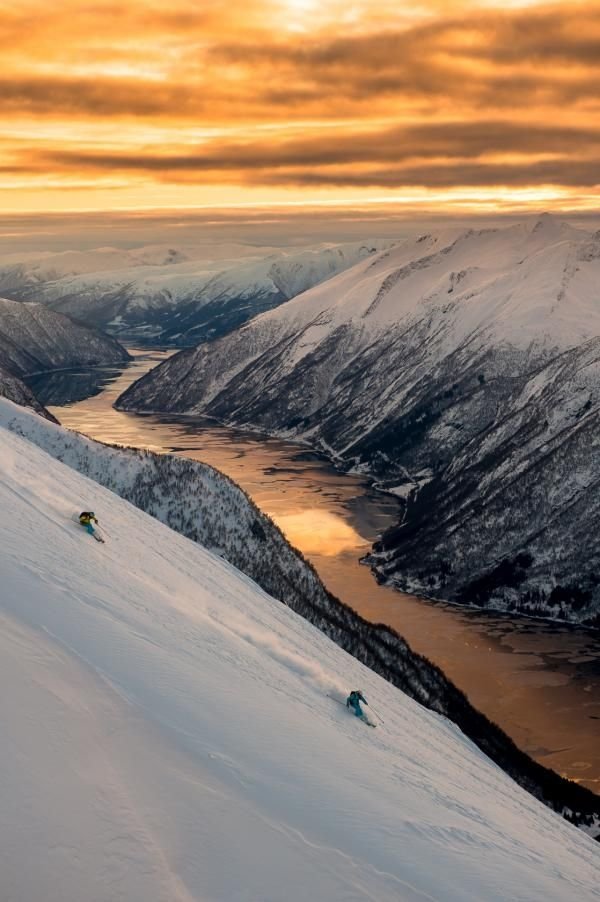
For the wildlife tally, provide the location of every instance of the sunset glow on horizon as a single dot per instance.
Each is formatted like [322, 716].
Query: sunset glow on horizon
[475, 106]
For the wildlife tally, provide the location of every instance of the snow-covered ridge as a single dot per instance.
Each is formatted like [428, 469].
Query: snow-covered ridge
[170, 296]
[168, 736]
[35, 339]
[204, 505]
[448, 349]
[32, 267]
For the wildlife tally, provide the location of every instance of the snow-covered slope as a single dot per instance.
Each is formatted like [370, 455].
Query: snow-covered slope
[202, 504]
[178, 300]
[469, 361]
[167, 735]
[34, 339]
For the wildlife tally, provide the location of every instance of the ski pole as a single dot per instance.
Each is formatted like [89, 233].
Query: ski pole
[376, 714]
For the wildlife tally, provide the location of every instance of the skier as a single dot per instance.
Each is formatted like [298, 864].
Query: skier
[86, 518]
[354, 700]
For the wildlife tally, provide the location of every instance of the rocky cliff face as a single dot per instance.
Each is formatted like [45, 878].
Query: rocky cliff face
[462, 371]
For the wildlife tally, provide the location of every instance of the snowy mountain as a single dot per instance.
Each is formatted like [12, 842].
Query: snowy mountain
[176, 301]
[20, 272]
[204, 505]
[461, 370]
[168, 735]
[34, 339]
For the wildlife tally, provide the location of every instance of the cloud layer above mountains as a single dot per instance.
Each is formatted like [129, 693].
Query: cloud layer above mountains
[469, 104]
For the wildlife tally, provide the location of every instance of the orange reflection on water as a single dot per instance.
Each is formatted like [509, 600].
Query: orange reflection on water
[318, 531]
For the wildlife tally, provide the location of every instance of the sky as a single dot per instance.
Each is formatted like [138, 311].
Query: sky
[463, 107]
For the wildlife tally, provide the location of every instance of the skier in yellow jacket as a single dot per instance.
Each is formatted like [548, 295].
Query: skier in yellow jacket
[86, 518]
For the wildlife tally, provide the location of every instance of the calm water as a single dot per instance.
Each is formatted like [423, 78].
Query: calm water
[540, 682]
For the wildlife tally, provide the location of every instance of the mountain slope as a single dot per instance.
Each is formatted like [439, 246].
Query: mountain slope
[445, 361]
[204, 505]
[525, 497]
[179, 301]
[34, 339]
[167, 736]
[16, 390]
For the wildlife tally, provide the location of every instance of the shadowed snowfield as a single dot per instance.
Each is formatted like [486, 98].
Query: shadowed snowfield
[168, 736]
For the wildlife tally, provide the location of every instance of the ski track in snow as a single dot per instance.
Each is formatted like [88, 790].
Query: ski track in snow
[167, 737]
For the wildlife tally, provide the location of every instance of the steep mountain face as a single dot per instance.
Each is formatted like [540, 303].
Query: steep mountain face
[15, 390]
[204, 505]
[173, 734]
[462, 371]
[523, 496]
[180, 301]
[34, 339]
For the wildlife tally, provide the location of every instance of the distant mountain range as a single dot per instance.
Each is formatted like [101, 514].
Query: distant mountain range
[176, 296]
[461, 369]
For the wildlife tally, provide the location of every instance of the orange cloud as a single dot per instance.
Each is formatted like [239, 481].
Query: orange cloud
[278, 96]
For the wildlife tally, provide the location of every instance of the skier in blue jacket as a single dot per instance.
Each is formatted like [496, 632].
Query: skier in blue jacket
[354, 700]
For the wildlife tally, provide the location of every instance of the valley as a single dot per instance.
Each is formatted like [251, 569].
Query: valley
[538, 680]
[461, 369]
